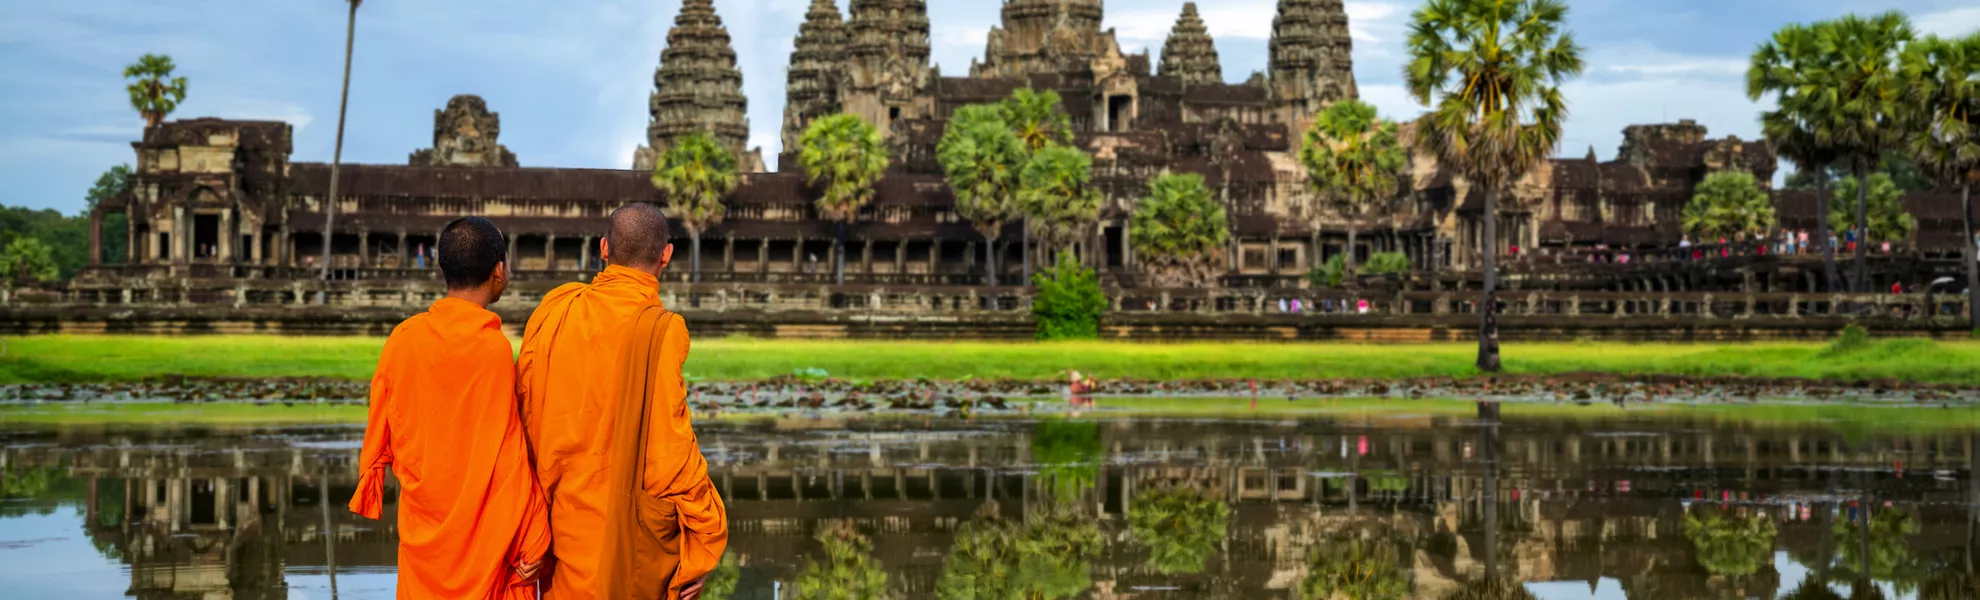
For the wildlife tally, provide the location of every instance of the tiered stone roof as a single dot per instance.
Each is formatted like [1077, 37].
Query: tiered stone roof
[1045, 36]
[888, 49]
[1189, 53]
[817, 63]
[697, 87]
[1312, 61]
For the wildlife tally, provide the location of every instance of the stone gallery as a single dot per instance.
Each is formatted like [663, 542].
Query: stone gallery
[220, 200]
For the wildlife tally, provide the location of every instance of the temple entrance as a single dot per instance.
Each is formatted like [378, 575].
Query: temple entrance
[1114, 235]
[206, 236]
[1119, 110]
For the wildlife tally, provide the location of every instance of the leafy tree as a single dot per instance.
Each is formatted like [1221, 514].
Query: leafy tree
[1728, 204]
[67, 237]
[721, 583]
[155, 93]
[845, 156]
[982, 157]
[1354, 570]
[1383, 263]
[1329, 273]
[1730, 544]
[27, 259]
[1490, 589]
[1353, 159]
[1179, 230]
[1890, 558]
[1491, 70]
[1069, 303]
[1055, 192]
[116, 229]
[695, 174]
[1838, 87]
[1794, 134]
[1180, 527]
[1068, 456]
[1944, 79]
[1036, 119]
[1886, 216]
[848, 571]
[1045, 558]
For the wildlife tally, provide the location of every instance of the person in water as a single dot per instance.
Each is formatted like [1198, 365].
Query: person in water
[472, 520]
[583, 392]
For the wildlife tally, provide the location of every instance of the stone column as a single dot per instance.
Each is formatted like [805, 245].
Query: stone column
[584, 254]
[224, 250]
[364, 247]
[900, 257]
[934, 255]
[763, 256]
[133, 250]
[512, 250]
[866, 256]
[95, 247]
[405, 254]
[797, 256]
[284, 254]
[550, 252]
[255, 242]
[178, 249]
[728, 254]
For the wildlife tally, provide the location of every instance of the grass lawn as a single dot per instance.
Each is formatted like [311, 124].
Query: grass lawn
[86, 358]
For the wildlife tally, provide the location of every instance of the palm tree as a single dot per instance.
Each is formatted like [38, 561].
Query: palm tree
[1492, 71]
[1038, 122]
[982, 157]
[1179, 230]
[1056, 195]
[1180, 526]
[1944, 75]
[1728, 204]
[155, 93]
[1885, 219]
[844, 155]
[695, 174]
[337, 155]
[1838, 87]
[1352, 158]
[1036, 118]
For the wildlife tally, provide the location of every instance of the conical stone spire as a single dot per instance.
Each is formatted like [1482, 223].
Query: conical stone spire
[698, 89]
[817, 63]
[1312, 63]
[887, 61]
[1189, 53]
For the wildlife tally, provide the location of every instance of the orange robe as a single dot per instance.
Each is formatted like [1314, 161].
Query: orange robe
[443, 417]
[568, 378]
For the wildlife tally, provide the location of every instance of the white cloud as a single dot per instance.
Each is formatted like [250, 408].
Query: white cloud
[1948, 23]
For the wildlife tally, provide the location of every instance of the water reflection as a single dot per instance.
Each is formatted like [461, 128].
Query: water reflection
[1409, 507]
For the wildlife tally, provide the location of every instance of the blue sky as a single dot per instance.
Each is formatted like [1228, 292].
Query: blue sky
[571, 79]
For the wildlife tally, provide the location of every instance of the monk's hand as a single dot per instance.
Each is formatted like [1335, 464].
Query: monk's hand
[693, 589]
[529, 571]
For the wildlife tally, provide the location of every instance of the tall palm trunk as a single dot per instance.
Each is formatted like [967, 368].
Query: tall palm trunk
[1347, 262]
[839, 255]
[1972, 257]
[1858, 283]
[694, 255]
[1822, 233]
[990, 259]
[1488, 326]
[337, 156]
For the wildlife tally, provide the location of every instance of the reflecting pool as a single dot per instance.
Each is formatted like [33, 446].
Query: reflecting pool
[1307, 506]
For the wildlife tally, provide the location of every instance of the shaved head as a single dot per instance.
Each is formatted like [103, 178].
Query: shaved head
[638, 235]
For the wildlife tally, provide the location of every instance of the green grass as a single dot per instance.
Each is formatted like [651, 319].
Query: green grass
[168, 414]
[82, 358]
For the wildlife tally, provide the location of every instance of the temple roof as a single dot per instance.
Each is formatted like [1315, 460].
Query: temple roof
[1189, 54]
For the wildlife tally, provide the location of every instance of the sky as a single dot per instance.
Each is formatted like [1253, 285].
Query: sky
[571, 78]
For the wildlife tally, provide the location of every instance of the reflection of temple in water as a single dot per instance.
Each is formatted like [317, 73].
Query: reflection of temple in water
[1574, 501]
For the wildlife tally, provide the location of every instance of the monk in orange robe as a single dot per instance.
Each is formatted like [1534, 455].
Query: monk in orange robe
[569, 379]
[473, 522]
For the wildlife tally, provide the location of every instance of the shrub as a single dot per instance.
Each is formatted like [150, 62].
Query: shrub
[1329, 273]
[1069, 302]
[1853, 339]
[1384, 263]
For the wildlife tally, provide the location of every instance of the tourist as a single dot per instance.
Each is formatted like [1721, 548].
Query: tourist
[1282, 306]
[1295, 306]
[599, 461]
[1684, 242]
[1801, 241]
[443, 415]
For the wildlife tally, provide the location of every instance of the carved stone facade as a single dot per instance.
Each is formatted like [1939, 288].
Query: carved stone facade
[698, 89]
[1312, 61]
[465, 135]
[1189, 54]
[214, 198]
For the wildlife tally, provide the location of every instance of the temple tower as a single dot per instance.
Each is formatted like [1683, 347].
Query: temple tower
[1046, 36]
[1311, 60]
[465, 135]
[811, 89]
[1189, 53]
[887, 74]
[698, 88]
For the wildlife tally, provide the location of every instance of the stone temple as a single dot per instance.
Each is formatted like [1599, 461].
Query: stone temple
[216, 202]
